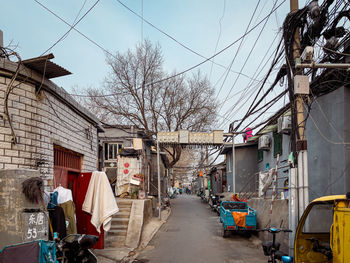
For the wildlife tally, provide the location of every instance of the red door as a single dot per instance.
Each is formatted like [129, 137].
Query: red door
[84, 225]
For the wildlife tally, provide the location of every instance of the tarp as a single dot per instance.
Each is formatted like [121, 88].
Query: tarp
[239, 218]
[31, 252]
[129, 152]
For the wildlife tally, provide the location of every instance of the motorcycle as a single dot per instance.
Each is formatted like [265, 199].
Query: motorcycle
[218, 203]
[75, 248]
[271, 248]
[213, 201]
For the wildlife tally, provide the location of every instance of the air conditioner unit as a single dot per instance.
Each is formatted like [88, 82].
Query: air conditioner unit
[264, 142]
[110, 163]
[284, 124]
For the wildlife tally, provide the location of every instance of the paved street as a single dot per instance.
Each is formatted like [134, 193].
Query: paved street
[193, 233]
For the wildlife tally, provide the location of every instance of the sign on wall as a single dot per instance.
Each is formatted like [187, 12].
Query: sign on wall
[36, 226]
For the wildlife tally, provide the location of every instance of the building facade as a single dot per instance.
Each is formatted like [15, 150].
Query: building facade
[41, 126]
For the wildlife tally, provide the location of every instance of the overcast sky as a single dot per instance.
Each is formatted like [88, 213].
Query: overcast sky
[195, 23]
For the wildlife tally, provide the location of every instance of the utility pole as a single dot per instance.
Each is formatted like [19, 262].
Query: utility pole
[159, 187]
[233, 163]
[301, 140]
[299, 176]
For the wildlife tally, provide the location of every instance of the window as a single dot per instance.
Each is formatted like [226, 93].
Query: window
[277, 144]
[112, 150]
[260, 155]
[313, 222]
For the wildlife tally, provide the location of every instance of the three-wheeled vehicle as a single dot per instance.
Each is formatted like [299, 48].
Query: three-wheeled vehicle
[323, 232]
[237, 216]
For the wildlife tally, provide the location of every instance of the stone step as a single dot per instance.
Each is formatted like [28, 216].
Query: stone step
[122, 206]
[120, 221]
[119, 227]
[123, 201]
[117, 232]
[115, 241]
[122, 215]
[124, 209]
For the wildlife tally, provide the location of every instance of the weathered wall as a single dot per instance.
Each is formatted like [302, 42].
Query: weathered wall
[270, 161]
[278, 218]
[327, 128]
[148, 210]
[154, 176]
[246, 168]
[12, 203]
[39, 124]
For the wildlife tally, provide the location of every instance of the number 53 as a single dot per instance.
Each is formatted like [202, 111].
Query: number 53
[32, 233]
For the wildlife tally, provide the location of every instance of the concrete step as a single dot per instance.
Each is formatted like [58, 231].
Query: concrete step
[122, 215]
[119, 227]
[115, 241]
[125, 209]
[120, 221]
[117, 232]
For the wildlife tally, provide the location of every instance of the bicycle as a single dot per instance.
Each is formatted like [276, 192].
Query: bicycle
[271, 248]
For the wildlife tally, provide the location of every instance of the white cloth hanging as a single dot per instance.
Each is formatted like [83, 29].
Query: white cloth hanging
[100, 201]
[64, 195]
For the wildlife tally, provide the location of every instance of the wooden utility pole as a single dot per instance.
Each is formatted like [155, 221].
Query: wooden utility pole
[298, 198]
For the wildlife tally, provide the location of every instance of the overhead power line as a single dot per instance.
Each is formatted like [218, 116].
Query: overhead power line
[177, 41]
[75, 23]
[172, 76]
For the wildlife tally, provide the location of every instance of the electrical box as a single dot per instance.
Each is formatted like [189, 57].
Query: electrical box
[184, 136]
[284, 124]
[264, 142]
[301, 85]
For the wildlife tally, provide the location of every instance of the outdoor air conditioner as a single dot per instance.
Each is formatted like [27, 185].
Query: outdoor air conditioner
[284, 124]
[264, 142]
[110, 163]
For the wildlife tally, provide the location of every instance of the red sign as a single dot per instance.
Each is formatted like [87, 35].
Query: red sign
[126, 165]
[126, 171]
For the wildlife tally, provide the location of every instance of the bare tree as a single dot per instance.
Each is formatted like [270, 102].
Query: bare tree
[142, 94]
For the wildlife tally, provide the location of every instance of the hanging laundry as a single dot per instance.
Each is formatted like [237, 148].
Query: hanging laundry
[100, 201]
[64, 195]
[58, 221]
[53, 200]
[69, 214]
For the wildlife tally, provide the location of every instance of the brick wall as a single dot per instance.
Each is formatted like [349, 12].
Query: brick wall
[39, 124]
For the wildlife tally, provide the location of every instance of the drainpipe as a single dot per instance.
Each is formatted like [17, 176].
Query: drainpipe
[233, 164]
[293, 207]
[1, 38]
[159, 193]
[1, 41]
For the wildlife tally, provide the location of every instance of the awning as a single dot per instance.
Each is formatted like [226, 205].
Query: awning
[44, 65]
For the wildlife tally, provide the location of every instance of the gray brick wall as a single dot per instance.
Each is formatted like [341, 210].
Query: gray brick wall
[39, 124]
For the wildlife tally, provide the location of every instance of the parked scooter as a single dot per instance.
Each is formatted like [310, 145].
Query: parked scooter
[214, 201]
[75, 248]
[271, 248]
[218, 203]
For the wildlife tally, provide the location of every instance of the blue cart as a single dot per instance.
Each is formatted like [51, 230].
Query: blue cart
[237, 216]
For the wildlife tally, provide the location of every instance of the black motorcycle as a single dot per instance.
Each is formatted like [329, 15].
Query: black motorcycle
[75, 248]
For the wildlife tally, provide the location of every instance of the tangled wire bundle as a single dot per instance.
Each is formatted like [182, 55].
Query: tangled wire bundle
[32, 189]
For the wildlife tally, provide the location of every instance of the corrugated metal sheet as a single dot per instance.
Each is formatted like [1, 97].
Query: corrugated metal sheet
[44, 65]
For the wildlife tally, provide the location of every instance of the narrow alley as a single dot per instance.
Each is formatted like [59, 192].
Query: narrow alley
[193, 233]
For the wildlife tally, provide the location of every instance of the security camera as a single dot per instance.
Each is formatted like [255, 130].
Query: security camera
[308, 54]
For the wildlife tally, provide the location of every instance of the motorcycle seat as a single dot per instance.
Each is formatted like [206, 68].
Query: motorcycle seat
[267, 247]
